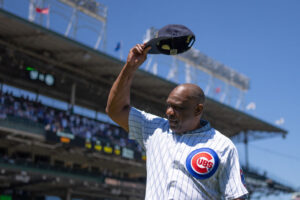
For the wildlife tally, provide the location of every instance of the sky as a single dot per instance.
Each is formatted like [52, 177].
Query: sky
[257, 38]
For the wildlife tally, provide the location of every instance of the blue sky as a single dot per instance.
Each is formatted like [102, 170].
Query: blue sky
[258, 38]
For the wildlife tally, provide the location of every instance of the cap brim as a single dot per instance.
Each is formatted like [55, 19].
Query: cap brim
[153, 43]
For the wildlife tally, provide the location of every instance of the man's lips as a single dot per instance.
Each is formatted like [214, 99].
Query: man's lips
[173, 122]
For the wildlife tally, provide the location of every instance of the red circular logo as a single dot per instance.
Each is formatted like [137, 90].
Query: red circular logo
[202, 163]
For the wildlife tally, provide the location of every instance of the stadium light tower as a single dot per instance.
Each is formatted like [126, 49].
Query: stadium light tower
[197, 61]
[91, 8]
[217, 70]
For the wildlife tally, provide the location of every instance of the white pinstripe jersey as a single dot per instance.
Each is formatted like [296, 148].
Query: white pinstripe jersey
[170, 159]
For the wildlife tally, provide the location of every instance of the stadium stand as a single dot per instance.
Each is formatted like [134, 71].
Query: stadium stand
[54, 120]
[28, 115]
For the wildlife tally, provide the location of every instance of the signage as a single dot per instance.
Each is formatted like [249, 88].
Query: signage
[127, 153]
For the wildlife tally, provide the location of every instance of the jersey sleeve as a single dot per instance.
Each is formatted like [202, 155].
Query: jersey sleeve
[142, 125]
[231, 183]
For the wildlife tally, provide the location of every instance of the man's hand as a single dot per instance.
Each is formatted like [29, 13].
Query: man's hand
[137, 55]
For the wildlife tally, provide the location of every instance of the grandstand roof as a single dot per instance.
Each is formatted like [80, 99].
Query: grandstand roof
[94, 72]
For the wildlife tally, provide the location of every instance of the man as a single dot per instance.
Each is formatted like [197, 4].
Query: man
[186, 158]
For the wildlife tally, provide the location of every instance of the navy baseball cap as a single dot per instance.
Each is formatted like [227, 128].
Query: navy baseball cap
[171, 40]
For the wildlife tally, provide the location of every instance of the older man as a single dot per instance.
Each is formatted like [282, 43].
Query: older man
[186, 158]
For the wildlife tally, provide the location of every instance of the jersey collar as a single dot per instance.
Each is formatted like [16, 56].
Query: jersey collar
[205, 126]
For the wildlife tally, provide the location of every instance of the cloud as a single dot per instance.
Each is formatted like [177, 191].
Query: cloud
[251, 106]
[280, 121]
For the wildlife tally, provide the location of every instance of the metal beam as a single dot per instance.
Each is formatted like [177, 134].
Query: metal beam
[101, 16]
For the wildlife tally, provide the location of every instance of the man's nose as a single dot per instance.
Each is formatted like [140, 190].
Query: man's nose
[169, 111]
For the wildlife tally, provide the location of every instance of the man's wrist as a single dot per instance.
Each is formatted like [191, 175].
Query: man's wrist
[129, 68]
[127, 72]
[131, 65]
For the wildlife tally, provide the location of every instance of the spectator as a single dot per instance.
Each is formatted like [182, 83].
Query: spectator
[57, 120]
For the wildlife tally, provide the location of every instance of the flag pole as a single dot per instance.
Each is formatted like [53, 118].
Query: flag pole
[48, 17]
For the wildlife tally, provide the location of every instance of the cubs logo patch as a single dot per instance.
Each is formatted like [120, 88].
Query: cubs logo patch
[202, 163]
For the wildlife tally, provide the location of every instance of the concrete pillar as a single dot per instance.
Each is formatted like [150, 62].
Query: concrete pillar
[68, 194]
[73, 94]
[246, 149]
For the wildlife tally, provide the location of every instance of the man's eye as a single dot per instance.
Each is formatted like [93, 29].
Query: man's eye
[175, 107]
[178, 108]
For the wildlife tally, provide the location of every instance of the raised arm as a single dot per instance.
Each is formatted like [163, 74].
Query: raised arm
[118, 103]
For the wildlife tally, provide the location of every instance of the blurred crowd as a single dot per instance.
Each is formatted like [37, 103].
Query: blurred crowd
[33, 162]
[65, 121]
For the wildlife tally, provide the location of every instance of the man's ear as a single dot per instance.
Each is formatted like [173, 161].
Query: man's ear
[199, 109]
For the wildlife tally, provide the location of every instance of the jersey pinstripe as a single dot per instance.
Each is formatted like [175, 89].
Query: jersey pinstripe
[167, 152]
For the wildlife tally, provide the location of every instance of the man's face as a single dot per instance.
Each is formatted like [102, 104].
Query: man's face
[181, 111]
